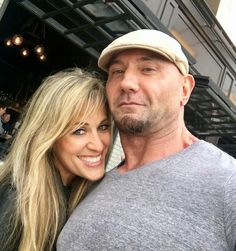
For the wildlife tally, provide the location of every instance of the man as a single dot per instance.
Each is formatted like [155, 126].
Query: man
[3, 109]
[7, 126]
[172, 191]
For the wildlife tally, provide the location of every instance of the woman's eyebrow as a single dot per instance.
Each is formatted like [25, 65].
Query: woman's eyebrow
[104, 120]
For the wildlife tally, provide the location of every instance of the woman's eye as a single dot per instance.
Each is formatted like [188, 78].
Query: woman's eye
[104, 127]
[79, 131]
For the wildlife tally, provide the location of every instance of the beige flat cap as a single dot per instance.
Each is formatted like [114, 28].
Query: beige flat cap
[152, 40]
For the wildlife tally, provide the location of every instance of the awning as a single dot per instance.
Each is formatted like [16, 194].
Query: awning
[209, 113]
[92, 24]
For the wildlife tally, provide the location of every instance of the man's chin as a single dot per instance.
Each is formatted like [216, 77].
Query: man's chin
[130, 125]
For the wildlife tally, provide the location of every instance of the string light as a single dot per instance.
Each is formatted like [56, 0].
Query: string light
[17, 39]
[25, 47]
[8, 42]
[43, 58]
[24, 52]
[39, 49]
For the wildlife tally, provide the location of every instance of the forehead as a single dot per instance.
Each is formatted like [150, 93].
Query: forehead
[138, 55]
[97, 112]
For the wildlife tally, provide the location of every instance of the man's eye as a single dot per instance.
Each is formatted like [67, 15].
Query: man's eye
[79, 131]
[104, 127]
[116, 71]
[148, 69]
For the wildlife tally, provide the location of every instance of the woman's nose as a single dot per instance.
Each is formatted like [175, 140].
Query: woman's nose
[95, 143]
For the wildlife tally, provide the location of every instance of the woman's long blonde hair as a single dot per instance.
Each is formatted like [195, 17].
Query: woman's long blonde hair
[57, 105]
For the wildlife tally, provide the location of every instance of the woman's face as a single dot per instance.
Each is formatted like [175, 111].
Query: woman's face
[82, 153]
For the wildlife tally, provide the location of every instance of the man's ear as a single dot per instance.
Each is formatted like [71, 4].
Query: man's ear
[187, 85]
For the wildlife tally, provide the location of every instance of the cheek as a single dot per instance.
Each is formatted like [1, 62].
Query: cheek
[58, 146]
[68, 145]
[107, 139]
[111, 88]
[76, 146]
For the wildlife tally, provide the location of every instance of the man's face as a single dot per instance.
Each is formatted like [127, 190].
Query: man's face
[144, 91]
[2, 110]
[6, 117]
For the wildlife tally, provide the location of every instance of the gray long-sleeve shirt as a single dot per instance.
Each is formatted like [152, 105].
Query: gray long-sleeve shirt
[1, 128]
[184, 202]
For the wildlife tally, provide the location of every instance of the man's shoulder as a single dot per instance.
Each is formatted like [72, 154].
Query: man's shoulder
[215, 149]
[220, 161]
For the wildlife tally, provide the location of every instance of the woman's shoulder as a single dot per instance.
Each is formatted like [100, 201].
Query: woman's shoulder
[7, 198]
[7, 201]
[7, 212]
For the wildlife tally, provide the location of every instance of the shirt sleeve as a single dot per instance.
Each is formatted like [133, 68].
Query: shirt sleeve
[230, 211]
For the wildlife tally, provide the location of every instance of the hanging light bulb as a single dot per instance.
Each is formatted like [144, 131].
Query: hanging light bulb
[39, 49]
[8, 42]
[24, 52]
[43, 58]
[17, 39]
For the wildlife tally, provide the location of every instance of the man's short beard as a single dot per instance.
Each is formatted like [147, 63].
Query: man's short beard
[132, 126]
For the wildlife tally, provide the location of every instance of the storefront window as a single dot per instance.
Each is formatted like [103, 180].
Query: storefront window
[224, 10]
[213, 5]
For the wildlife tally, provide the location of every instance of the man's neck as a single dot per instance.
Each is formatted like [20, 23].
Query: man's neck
[141, 150]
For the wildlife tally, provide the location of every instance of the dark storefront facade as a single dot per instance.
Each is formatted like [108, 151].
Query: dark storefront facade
[83, 28]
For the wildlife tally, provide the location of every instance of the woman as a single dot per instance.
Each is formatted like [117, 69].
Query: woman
[61, 145]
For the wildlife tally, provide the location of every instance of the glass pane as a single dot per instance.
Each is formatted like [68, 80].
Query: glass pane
[233, 94]
[227, 83]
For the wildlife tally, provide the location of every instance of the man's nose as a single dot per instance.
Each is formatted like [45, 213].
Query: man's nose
[130, 81]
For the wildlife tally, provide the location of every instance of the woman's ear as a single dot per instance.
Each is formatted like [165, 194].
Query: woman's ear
[187, 87]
